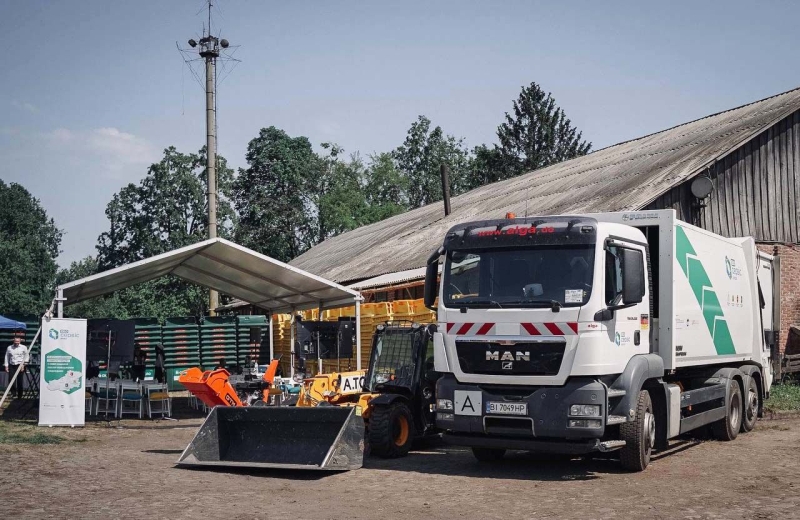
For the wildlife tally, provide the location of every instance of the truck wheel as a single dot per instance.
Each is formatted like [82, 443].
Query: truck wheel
[750, 414]
[391, 431]
[727, 428]
[639, 435]
[488, 454]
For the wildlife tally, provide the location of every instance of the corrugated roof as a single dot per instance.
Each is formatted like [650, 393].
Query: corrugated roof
[622, 177]
[390, 279]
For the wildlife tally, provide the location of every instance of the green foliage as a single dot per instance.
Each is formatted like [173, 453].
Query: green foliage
[537, 133]
[420, 157]
[386, 188]
[29, 245]
[784, 397]
[166, 210]
[274, 195]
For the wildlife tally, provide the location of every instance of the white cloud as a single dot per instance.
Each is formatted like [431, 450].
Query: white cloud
[24, 105]
[111, 149]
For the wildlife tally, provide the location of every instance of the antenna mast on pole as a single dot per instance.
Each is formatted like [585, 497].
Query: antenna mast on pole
[209, 50]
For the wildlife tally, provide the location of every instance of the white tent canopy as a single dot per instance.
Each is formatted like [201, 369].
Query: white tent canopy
[230, 269]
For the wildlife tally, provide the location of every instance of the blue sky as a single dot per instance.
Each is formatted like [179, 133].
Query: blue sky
[92, 91]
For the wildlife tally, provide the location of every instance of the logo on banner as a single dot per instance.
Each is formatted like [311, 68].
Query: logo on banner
[53, 333]
[62, 371]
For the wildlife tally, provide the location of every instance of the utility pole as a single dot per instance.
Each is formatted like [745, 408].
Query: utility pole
[209, 50]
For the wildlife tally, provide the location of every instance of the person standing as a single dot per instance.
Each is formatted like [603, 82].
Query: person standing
[159, 372]
[16, 356]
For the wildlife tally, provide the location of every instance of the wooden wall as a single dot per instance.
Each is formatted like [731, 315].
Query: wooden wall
[756, 189]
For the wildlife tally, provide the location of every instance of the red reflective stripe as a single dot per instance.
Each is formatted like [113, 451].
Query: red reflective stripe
[553, 328]
[530, 329]
[573, 326]
[450, 326]
[485, 328]
[465, 328]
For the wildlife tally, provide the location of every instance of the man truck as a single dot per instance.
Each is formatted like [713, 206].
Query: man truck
[601, 332]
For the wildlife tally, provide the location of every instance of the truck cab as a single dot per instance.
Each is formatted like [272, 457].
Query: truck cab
[548, 332]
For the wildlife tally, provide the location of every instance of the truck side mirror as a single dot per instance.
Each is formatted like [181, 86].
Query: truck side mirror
[431, 275]
[632, 276]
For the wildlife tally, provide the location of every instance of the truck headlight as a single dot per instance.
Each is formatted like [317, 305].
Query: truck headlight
[444, 404]
[584, 410]
[585, 423]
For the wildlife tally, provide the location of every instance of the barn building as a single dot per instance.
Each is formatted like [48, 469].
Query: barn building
[751, 154]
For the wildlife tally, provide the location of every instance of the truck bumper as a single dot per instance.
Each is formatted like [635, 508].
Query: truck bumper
[545, 426]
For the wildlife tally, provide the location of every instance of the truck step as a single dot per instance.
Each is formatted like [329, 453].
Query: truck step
[615, 392]
[616, 419]
[611, 445]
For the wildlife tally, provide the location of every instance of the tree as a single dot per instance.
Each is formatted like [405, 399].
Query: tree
[419, 159]
[167, 210]
[339, 194]
[102, 307]
[386, 188]
[29, 246]
[273, 196]
[536, 134]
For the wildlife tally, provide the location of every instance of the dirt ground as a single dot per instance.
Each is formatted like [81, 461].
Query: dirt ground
[128, 470]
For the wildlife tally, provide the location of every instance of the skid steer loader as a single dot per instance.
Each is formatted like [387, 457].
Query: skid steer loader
[399, 388]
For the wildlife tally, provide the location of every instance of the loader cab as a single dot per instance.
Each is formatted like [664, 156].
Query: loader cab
[402, 358]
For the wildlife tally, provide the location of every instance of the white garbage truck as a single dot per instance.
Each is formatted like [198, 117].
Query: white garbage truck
[599, 332]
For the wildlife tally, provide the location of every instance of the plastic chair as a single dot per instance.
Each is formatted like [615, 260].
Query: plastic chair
[159, 395]
[135, 398]
[112, 397]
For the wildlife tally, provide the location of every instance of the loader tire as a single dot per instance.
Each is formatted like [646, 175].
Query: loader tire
[639, 435]
[727, 428]
[391, 431]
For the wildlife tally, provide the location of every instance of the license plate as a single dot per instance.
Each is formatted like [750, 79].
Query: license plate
[507, 408]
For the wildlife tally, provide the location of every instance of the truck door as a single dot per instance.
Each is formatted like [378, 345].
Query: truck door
[767, 271]
[630, 328]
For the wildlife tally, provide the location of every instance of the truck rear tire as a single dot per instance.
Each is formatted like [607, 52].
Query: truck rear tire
[639, 435]
[727, 428]
[488, 454]
[750, 414]
[391, 431]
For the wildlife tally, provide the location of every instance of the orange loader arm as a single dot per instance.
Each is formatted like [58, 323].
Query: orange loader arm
[211, 387]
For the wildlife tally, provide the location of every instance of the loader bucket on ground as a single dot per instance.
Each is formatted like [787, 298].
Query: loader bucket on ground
[325, 437]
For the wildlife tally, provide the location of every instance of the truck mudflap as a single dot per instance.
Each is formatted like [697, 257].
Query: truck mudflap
[318, 438]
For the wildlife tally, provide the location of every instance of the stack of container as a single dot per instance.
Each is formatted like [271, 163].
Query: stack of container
[181, 340]
[218, 341]
[244, 348]
[147, 334]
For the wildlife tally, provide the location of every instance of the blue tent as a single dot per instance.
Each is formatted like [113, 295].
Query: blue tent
[6, 323]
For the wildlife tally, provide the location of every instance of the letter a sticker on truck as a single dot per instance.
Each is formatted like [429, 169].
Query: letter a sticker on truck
[468, 402]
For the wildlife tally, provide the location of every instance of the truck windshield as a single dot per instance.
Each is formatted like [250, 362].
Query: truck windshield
[531, 277]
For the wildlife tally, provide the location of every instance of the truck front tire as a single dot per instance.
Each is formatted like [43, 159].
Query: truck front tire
[639, 435]
[727, 428]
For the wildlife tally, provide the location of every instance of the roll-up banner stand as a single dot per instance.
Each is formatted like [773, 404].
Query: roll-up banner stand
[62, 379]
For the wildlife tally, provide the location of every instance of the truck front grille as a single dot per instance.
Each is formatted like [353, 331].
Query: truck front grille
[492, 358]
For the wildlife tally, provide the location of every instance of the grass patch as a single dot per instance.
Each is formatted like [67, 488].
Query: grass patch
[11, 433]
[783, 398]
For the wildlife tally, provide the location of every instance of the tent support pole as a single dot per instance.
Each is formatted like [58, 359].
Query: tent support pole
[358, 332]
[291, 343]
[319, 352]
[60, 300]
[271, 339]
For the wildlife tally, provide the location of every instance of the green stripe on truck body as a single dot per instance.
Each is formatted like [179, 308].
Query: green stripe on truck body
[704, 292]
